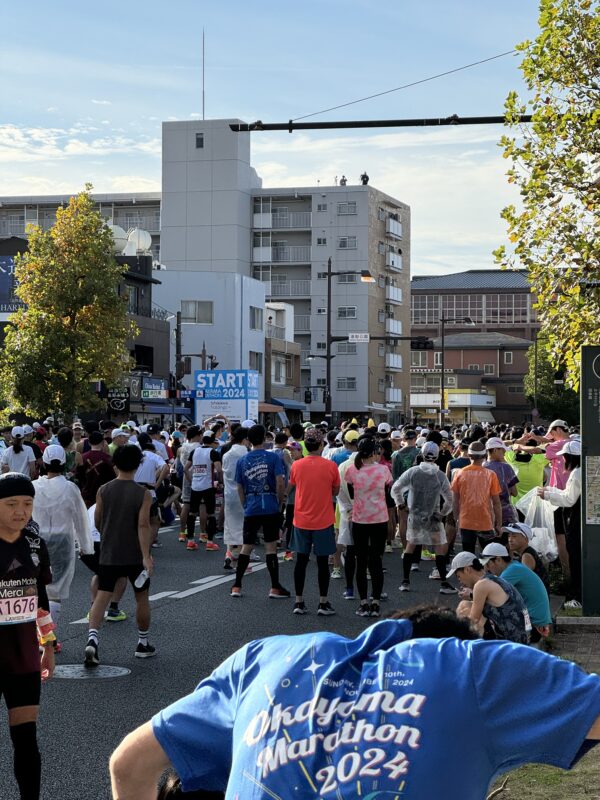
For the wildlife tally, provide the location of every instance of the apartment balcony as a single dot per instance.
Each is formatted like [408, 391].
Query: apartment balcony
[393, 261]
[296, 288]
[274, 331]
[393, 294]
[393, 326]
[276, 221]
[393, 362]
[147, 222]
[393, 228]
[393, 395]
[304, 362]
[301, 323]
[10, 227]
[294, 254]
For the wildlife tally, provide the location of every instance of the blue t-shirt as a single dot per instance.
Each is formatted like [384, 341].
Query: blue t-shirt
[257, 474]
[319, 715]
[532, 590]
[341, 455]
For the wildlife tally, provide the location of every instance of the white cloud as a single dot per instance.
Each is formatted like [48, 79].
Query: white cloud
[134, 183]
[102, 102]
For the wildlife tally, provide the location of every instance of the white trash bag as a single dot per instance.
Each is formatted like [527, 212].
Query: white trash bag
[539, 515]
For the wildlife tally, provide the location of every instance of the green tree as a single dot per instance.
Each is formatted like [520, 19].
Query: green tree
[73, 327]
[554, 232]
[553, 401]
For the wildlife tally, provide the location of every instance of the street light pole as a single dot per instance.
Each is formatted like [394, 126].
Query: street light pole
[328, 345]
[442, 407]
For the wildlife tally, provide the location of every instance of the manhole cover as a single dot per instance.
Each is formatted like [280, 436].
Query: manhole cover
[79, 672]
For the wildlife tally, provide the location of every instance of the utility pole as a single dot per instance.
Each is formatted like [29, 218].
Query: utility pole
[203, 355]
[328, 355]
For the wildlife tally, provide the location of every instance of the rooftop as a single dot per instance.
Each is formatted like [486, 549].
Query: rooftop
[473, 279]
[481, 341]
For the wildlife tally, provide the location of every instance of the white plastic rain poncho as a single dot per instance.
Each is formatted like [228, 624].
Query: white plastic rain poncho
[426, 492]
[62, 519]
[234, 511]
[344, 506]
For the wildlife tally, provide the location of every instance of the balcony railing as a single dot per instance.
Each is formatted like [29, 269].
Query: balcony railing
[146, 222]
[393, 326]
[275, 331]
[393, 228]
[393, 261]
[295, 219]
[11, 228]
[158, 312]
[301, 323]
[393, 395]
[304, 362]
[288, 254]
[393, 361]
[297, 288]
[393, 294]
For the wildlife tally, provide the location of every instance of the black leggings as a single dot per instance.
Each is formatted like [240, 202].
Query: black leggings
[302, 560]
[369, 545]
[349, 565]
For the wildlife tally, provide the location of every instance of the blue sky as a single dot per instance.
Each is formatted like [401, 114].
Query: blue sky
[84, 91]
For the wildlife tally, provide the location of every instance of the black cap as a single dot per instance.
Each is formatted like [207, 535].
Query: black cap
[153, 429]
[15, 484]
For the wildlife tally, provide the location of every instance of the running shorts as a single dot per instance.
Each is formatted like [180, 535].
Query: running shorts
[108, 575]
[20, 690]
[270, 523]
[206, 497]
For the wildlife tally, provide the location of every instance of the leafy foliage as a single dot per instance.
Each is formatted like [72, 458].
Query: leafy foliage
[554, 232]
[553, 401]
[73, 327]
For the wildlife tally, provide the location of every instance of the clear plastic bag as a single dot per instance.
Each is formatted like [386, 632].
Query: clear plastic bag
[539, 515]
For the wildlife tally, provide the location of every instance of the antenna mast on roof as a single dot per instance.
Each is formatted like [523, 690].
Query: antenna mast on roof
[202, 73]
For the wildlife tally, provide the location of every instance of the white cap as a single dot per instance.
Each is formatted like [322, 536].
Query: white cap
[571, 447]
[144, 428]
[558, 423]
[17, 431]
[54, 452]
[384, 427]
[119, 432]
[430, 451]
[248, 423]
[28, 429]
[493, 550]
[165, 435]
[36, 425]
[396, 435]
[420, 441]
[445, 434]
[495, 442]
[131, 424]
[519, 527]
[460, 561]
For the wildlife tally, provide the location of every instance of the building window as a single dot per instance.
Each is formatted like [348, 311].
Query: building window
[255, 361]
[381, 315]
[321, 311]
[381, 248]
[321, 381]
[488, 369]
[346, 243]
[437, 359]
[381, 349]
[418, 358]
[515, 389]
[346, 384]
[346, 208]
[197, 311]
[381, 282]
[346, 348]
[278, 371]
[256, 318]
[199, 141]
[508, 357]
[346, 312]
[133, 299]
[473, 366]
[346, 278]
[321, 206]
[381, 213]
[321, 345]
[321, 240]
[380, 385]
[425, 309]
[321, 276]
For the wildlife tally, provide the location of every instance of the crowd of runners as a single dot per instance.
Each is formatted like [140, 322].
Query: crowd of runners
[463, 503]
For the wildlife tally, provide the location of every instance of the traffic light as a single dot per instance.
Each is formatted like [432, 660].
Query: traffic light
[308, 397]
[212, 363]
[172, 394]
[421, 343]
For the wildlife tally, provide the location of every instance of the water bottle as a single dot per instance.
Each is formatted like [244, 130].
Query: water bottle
[141, 579]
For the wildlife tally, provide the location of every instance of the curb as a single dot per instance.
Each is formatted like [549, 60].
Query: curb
[583, 624]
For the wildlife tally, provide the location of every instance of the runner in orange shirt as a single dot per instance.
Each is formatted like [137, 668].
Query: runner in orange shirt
[476, 503]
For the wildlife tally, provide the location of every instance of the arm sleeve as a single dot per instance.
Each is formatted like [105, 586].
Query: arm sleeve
[30, 455]
[398, 488]
[567, 497]
[196, 732]
[535, 707]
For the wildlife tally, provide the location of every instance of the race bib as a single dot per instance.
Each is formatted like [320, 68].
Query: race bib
[200, 470]
[15, 610]
[528, 626]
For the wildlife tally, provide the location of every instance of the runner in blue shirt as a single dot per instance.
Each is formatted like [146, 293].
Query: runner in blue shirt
[389, 714]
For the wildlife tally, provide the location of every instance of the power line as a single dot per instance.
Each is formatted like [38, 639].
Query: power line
[407, 85]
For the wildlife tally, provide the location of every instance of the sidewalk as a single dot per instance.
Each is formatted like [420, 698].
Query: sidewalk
[575, 638]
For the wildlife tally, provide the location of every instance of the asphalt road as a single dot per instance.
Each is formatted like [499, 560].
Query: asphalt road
[194, 627]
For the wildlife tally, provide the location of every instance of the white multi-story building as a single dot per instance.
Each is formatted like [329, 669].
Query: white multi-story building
[226, 244]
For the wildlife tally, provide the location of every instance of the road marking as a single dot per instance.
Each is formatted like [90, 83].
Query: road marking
[160, 595]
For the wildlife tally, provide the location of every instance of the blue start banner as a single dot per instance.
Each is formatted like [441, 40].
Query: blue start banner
[229, 393]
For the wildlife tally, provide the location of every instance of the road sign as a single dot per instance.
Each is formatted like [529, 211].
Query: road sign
[232, 393]
[590, 477]
[155, 394]
[358, 337]
[186, 394]
[118, 399]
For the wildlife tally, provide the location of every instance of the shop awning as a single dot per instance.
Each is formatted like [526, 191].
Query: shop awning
[268, 408]
[480, 415]
[294, 405]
